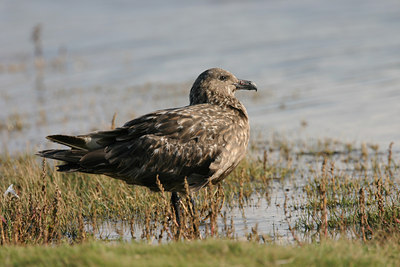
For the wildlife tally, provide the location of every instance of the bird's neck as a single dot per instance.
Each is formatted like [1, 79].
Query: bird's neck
[230, 102]
[214, 98]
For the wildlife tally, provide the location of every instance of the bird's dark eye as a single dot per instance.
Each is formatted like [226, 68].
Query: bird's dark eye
[223, 78]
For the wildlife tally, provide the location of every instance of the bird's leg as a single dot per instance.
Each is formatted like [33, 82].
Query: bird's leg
[193, 204]
[194, 217]
[175, 199]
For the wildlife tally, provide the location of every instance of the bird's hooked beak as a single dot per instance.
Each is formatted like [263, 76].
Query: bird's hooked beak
[245, 85]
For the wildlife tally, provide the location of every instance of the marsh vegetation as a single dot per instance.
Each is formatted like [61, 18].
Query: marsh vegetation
[320, 190]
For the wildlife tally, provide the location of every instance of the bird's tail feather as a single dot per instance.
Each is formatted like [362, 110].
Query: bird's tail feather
[86, 154]
[77, 142]
[70, 157]
[88, 142]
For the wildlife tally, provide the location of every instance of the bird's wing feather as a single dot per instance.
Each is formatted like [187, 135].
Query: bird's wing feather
[174, 142]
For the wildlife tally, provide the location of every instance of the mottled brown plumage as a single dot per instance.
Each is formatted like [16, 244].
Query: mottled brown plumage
[203, 142]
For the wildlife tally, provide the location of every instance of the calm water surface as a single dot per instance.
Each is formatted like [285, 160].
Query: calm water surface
[333, 67]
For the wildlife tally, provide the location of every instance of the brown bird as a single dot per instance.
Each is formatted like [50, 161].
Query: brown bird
[202, 142]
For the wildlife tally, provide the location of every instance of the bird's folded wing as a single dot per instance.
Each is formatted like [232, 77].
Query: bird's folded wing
[176, 142]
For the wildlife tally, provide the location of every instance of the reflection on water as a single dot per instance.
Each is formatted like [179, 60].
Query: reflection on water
[262, 218]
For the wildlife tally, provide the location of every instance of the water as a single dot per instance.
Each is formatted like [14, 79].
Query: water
[265, 218]
[325, 69]
[333, 66]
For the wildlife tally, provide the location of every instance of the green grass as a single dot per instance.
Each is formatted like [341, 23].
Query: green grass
[203, 253]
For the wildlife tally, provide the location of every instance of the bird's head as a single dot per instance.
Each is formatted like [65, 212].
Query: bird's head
[216, 84]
